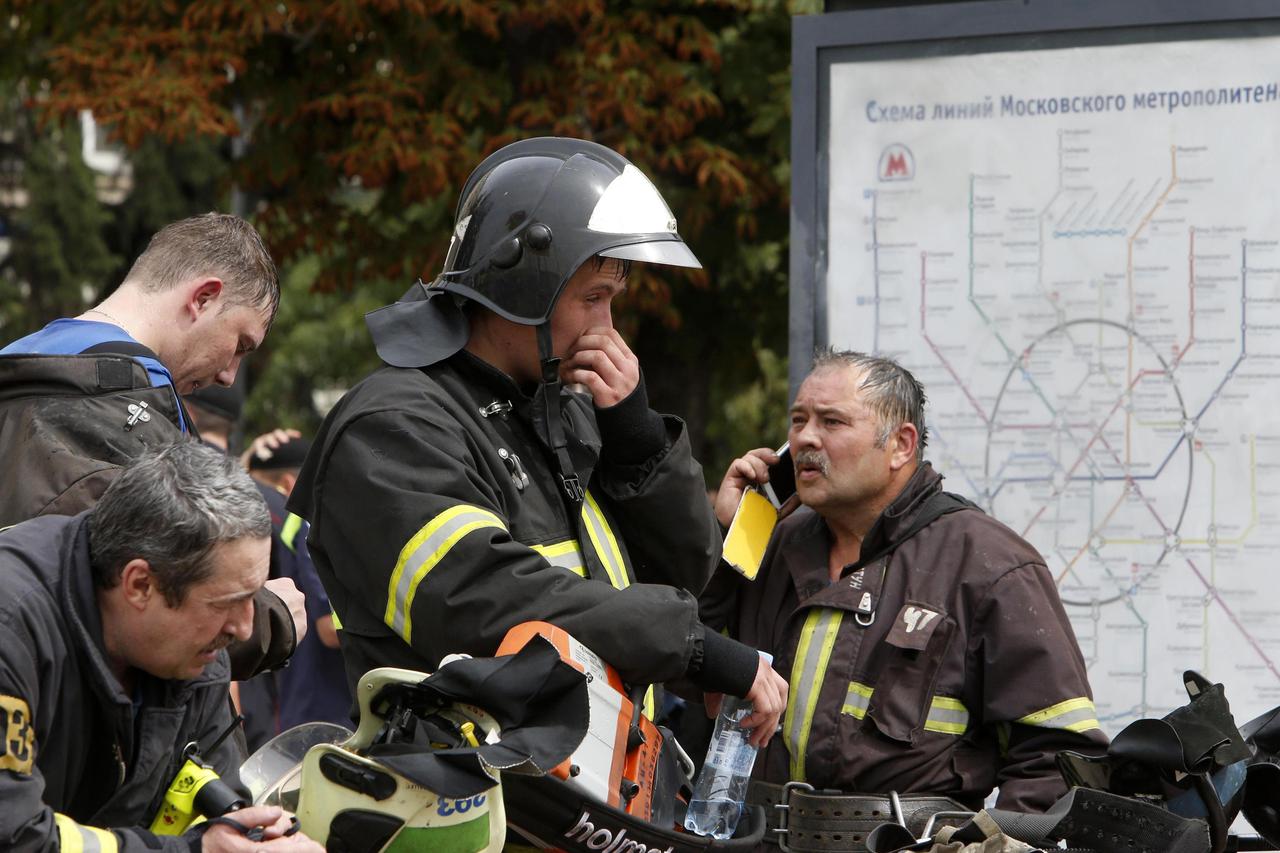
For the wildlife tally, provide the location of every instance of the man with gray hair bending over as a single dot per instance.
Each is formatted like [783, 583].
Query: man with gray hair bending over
[113, 629]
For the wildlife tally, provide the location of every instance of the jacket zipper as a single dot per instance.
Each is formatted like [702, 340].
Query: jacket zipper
[119, 757]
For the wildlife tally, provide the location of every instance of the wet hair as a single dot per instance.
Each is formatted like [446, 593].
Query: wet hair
[624, 266]
[170, 507]
[216, 244]
[889, 390]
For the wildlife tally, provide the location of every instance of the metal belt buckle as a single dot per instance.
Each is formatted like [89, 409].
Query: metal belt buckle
[937, 816]
[895, 805]
[784, 810]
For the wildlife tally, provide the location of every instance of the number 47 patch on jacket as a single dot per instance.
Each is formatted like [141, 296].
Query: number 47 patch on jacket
[17, 750]
[914, 626]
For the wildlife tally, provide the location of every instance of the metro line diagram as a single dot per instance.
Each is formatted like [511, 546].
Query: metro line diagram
[1100, 341]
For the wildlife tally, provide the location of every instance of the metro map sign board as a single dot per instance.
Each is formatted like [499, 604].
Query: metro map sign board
[1066, 223]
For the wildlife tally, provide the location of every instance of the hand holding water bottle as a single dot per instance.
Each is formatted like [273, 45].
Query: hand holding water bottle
[767, 700]
[741, 726]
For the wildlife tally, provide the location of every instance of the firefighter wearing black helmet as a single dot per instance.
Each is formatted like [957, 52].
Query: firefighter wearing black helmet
[462, 489]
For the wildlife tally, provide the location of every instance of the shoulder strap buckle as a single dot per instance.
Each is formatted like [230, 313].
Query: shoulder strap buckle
[573, 488]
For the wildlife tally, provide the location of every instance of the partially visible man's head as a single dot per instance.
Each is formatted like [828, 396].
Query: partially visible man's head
[179, 542]
[586, 302]
[212, 244]
[227, 285]
[279, 467]
[857, 432]
[216, 409]
[886, 387]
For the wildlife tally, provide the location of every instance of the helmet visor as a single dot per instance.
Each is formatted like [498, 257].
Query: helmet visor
[632, 205]
[673, 253]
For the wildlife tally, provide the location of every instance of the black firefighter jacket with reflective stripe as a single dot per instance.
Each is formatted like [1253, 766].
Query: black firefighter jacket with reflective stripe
[79, 768]
[967, 677]
[436, 527]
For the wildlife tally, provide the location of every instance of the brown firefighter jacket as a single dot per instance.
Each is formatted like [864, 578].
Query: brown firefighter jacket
[941, 663]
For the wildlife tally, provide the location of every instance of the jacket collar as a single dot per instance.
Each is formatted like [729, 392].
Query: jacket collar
[84, 619]
[896, 520]
[807, 547]
[488, 385]
[489, 380]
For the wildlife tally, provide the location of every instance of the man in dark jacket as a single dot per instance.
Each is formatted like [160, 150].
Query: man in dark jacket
[463, 489]
[85, 394]
[112, 630]
[927, 647]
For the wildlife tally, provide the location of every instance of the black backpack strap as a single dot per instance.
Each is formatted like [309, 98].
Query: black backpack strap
[130, 348]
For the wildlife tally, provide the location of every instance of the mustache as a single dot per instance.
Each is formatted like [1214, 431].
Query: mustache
[815, 459]
[219, 644]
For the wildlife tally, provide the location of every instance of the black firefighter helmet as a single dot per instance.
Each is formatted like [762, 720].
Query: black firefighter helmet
[528, 217]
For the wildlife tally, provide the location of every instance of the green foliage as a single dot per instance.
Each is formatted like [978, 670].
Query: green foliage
[59, 256]
[755, 415]
[319, 343]
[170, 181]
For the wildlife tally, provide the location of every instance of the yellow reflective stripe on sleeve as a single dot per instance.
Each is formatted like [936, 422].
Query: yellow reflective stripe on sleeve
[337, 623]
[947, 716]
[566, 555]
[604, 542]
[74, 838]
[289, 531]
[420, 555]
[817, 638]
[1074, 715]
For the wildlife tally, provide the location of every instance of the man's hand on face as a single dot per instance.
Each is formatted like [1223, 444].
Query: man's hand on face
[287, 591]
[272, 820]
[601, 360]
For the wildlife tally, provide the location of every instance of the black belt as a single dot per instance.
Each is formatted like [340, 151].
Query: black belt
[803, 820]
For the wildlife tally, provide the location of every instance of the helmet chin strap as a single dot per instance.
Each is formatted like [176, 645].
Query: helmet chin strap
[555, 427]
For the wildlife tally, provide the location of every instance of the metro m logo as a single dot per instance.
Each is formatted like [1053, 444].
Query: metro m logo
[896, 163]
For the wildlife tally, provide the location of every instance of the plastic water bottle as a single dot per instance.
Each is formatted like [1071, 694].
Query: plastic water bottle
[721, 788]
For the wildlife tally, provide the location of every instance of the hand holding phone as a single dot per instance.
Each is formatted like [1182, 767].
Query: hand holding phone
[782, 478]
